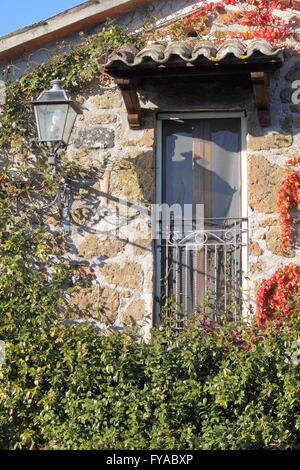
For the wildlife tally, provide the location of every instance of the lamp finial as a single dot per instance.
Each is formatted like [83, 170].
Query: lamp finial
[56, 84]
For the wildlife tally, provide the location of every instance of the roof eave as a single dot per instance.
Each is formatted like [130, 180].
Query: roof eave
[64, 24]
[255, 59]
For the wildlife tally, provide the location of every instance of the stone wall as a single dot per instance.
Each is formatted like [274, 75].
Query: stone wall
[267, 154]
[110, 241]
[122, 260]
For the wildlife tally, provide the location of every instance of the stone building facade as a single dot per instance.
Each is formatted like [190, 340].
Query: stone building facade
[111, 240]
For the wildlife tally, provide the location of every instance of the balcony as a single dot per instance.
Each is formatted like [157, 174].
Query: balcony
[202, 265]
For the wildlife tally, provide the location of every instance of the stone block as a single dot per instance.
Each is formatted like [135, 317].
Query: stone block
[264, 180]
[80, 99]
[148, 138]
[106, 118]
[95, 246]
[78, 155]
[127, 276]
[255, 249]
[273, 240]
[80, 212]
[135, 312]
[271, 141]
[141, 245]
[136, 178]
[95, 137]
[109, 99]
[149, 280]
[128, 137]
[53, 221]
[257, 267]
[269, 222]
[97, 302]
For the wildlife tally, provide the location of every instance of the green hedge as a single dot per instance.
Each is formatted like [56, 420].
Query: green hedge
[67, 387]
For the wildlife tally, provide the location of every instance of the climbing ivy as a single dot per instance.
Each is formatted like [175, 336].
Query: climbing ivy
[76, 67]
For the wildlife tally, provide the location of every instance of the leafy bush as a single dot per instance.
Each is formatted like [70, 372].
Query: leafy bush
[64, 386]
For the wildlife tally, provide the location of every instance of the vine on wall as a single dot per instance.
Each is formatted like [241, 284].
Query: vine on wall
[76, 67]
[25, 179]
[288, 200]
[18, 141]
[259, 16]
[279, 295]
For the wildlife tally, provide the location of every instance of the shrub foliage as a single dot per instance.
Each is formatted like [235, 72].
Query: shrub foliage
[65, 386]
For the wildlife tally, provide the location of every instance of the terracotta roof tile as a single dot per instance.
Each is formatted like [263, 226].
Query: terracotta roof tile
[192, 51]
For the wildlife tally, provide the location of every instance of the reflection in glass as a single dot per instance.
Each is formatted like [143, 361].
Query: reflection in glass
[202, 255]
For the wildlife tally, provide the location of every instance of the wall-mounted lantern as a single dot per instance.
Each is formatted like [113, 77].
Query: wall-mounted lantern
[55, 115]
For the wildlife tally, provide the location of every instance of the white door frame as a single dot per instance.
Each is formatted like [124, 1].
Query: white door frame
[244, 190]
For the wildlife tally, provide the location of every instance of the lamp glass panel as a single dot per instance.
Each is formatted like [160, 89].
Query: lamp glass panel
[51, 120]
[71, 117]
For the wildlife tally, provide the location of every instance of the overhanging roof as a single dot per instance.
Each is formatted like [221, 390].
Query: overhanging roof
[84, 15]
[191, 52]
[70, 21]
[193, 58]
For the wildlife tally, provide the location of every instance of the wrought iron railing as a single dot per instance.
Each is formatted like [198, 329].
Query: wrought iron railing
[202, 267]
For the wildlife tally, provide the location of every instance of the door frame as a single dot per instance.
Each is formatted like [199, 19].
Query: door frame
[162, 116]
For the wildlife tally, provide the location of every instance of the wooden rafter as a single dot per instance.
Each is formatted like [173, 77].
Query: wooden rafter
[128, 87]
[129, 81]
[260, 83]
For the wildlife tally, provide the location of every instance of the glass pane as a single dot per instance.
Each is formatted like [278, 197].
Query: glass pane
[202, 165]
[225, 167]
[201, 168]
[69, 124]
[51, 121]
[178, 171]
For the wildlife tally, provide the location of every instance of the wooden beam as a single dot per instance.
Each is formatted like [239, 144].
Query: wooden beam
[129, 80]
[260, 83]
[215, 69]
[128, 87]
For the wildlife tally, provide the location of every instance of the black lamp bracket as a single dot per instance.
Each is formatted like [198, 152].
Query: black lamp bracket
[62, 191]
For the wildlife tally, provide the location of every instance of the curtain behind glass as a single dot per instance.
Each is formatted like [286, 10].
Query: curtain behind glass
[202, 165]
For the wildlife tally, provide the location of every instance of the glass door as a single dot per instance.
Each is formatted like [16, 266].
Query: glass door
[201, 220]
